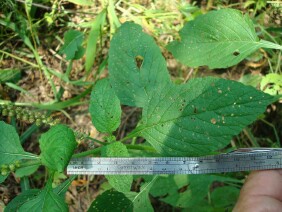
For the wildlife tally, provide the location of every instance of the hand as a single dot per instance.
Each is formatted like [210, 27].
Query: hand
[262, 192]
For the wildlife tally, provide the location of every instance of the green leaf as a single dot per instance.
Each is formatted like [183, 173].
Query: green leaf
[57, 146]
[26, 171]
[173, 189]
[225, 196]
[136, 65]
[218, 39]
[79, 53]
[3, 178]
[104, 107]
[252, 80]
[199, 117]
[93, 38]
[72, 46]
[10, 75]
[186, 191]
[272, 84]
[141, 201]
[10, 146]
[82, 2]
[111, 201]
[28, 5]
[121, 183]
[168, 184]
[19, 200]
[46, 200]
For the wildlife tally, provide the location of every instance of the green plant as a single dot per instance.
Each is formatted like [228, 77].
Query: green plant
[192, 119]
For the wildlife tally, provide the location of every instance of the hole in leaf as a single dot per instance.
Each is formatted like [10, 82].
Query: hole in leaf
[195, 110]
[236, 53]
[139, 61]
[182, 189]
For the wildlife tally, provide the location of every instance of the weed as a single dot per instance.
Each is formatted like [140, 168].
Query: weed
[197, 118]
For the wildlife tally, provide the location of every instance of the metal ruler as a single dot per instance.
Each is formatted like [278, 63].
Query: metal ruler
[245, 159]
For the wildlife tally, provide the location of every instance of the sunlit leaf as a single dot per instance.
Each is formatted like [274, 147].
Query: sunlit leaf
[57, 146]
[199, 117]
[72, 45]
[272, 84]
[93, 38]
[136, 65]
[104, 107]
[10, 146]
[121, 183]
[82, 2]
[218, 39]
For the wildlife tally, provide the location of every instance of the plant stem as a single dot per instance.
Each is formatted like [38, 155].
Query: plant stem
[51, 105]
[69, 68]
[20, 59]
[96, 151]
[95, 140]
[24, 183]
[141, 147]
[132, 134]
[86, 153]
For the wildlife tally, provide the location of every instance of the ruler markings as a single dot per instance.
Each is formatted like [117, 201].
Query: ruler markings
[230, 162]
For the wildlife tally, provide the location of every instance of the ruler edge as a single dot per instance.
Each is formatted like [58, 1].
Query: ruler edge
[213, 157]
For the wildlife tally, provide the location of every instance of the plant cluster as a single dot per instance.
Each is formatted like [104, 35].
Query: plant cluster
[191, 119]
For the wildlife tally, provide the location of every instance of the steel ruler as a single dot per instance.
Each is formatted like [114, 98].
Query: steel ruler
[245, 159]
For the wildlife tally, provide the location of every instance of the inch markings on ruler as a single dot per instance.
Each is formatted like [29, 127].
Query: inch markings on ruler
[240, 160]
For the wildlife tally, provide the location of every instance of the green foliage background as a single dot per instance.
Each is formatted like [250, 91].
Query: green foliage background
[115, 59]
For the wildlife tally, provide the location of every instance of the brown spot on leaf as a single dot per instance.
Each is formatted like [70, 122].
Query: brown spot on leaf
[139, 61]
[213, 121]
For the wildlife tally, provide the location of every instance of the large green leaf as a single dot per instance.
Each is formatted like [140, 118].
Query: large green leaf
[46, 200]
[136, 65]
[72, 46]
[121, 183]
[218, 39]
[199, 117]
[22, 198]
[111, 201]
[104, 107]
[57, 146]
[10, 146]
[94, 36]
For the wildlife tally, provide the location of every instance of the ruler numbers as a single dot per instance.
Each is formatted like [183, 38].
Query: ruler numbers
[177, 165]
